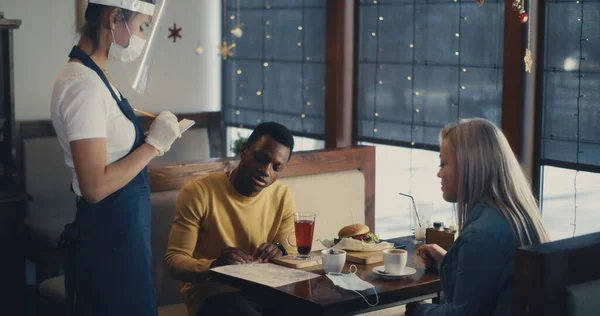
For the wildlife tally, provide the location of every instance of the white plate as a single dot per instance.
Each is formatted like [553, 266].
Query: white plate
[380, 270]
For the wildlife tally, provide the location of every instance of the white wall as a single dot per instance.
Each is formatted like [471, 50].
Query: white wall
[181, 81]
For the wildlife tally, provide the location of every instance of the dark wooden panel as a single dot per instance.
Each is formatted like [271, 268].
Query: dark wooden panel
[209, 120]
[543, 273]
[44, 128]
[340, 73]
[536, 174]
[512, 88]
[203, 120]
[12, 265]
[173, 177]
[36, 129]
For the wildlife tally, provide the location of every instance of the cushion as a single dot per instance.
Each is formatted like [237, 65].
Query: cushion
[48, 180]
[582, 299]
[163, 212]
[338, 199]
[172, 310]
[53, 289]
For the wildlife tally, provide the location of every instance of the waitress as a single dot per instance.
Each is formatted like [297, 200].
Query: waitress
[109, 262]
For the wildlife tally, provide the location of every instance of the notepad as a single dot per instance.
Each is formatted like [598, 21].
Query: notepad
[185, 124]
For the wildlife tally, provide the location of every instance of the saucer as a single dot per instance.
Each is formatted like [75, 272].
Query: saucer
[380, 270]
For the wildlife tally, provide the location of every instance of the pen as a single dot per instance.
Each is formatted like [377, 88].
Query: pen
[145, 113]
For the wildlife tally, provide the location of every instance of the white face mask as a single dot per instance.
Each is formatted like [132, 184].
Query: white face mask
[127, 54]
[350, 281]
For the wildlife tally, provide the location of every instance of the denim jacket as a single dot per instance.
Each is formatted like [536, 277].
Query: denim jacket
[477, 272]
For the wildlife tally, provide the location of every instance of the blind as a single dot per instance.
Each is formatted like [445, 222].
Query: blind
[424, 64]
[571, 98]
[277, 71]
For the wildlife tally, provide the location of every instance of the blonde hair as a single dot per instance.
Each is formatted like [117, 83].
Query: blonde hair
[489, 172]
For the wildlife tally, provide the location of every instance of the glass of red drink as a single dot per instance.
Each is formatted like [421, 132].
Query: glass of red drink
[304, 224]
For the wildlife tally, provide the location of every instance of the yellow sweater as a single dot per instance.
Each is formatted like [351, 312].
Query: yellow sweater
[210, 216]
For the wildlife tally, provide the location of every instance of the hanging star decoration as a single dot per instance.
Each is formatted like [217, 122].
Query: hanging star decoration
[528, 60]
[175, 32]
[479, 2]
[237, 31]
[225, 50]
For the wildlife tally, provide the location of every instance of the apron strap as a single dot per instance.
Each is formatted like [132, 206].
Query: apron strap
[77, 53]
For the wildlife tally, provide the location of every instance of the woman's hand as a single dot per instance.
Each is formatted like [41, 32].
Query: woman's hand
[163, 132]
[432, 255]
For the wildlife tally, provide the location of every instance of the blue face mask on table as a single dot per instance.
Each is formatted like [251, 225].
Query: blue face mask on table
[350, 281]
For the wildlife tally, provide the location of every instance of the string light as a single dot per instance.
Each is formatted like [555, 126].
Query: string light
[306, 87]
[239, 71]
[377, 68]
[580, 96]
[457, 53]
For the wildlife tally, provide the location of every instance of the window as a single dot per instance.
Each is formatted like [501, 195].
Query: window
[570, 129]
[570, 133]
[422, 65]
[425, 64]
[409, 171]
[570, 202]
[300, 143]
[277, 72]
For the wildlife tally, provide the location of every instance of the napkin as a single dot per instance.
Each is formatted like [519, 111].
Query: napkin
[356, 245]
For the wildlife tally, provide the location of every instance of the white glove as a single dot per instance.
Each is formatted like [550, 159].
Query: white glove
[163, 132]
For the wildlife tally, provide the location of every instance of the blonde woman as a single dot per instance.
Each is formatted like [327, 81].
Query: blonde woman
[497, 213]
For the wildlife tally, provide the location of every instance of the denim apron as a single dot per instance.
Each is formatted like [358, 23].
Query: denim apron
[108, 266]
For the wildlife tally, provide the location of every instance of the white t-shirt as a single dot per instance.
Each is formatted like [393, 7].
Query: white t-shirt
[82, 108]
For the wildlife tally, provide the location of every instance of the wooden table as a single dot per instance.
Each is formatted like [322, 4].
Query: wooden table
[319, 296]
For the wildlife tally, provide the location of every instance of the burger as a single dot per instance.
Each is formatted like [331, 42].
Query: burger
[359, 232]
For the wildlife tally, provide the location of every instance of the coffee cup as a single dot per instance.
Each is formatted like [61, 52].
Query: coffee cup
[394, 260]
[333, 260]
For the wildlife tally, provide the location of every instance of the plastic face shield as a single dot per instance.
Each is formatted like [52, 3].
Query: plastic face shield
[143, 24]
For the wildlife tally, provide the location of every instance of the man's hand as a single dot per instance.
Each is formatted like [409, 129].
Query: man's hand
[232, 255]
[266, 252]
